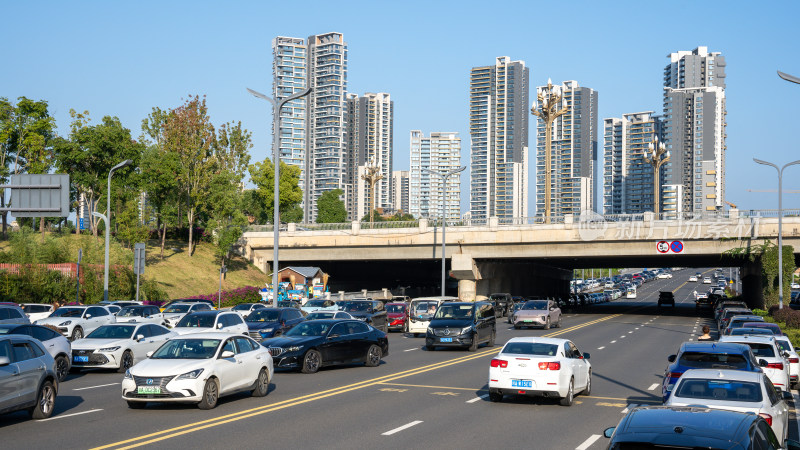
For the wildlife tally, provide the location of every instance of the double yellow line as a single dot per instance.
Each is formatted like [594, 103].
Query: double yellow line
[233, 417]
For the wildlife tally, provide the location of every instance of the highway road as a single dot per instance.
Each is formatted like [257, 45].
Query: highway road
[415, 399]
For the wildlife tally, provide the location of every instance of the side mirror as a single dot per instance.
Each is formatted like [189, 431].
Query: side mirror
[763, 362]
[88, 316]
[790, 444]
[785, 354]
[608, 432]
[226, 354]
[4, 361]
[586, 356]
[672, 358]
[149, 354]
[219, 326]
[139, 337]
[787, 395]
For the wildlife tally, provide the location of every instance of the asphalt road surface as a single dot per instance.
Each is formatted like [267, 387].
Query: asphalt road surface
[415, 399]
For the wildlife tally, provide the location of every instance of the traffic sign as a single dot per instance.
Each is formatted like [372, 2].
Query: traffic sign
[676, 246]
[662, 246]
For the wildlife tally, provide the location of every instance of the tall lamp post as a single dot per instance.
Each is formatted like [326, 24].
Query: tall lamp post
[654, 157]
[444, 176]
[780, 223]
[106, 220]
[276, 217]
[372, 175]
[548, 102]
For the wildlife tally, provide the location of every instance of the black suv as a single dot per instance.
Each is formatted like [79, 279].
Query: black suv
[462, 324]
[666, 298]
[505, 303]
[370, 311]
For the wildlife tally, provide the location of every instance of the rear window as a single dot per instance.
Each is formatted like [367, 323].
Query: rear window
[766, 350]
[530, 348]
[699, 360]
[739, 391]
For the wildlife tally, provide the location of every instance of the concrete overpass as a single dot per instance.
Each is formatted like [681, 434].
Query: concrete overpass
[518, 257]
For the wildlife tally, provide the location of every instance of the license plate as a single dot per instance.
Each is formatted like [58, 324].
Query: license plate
[80, 359]
[522, 383]
[148, 390]
[528, 320]
[446, 340]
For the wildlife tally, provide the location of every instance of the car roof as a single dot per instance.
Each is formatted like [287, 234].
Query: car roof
[759, 339]
[446, 297]
[714, 347]
[207, 313]
[207, 335]
[539, 340]
[656, 424]
[722, 374]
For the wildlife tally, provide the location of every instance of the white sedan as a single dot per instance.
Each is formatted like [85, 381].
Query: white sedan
[693, 278]
[141, 314]
[176, 311]
[199, 368]
[785, 345]
[75, 322]
[37, 311]
[319, 304]
[544, 367]
[244, 309]
[118, 346]
[769, 357]
[734, 390]
[211, 321]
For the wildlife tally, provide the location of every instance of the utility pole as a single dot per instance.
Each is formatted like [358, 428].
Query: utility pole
[372, 176]
[548, 101]
[654, 158]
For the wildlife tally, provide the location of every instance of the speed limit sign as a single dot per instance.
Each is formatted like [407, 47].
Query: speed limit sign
[662, 246]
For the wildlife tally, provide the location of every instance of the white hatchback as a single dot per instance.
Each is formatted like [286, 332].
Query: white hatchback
[199, 368]
[769, 357]
[734, 390]
[544, 367]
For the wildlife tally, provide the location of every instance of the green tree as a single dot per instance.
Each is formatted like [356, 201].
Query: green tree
[130, 229]
[330, 209]
[263, 176]
[377, 217]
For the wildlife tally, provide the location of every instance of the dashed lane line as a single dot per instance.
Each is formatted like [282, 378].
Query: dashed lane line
[478, 398]
[70, 415]
[588, 442]
[398, 429]
[653, 387]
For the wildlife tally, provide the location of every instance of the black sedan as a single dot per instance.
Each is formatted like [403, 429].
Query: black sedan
[317, 343]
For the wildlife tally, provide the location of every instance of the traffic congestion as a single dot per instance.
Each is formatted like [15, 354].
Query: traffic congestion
[659, 350]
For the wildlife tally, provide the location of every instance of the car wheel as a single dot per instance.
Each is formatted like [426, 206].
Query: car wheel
[495, 396]
[126, 362]
[491, 339]
[516, 327]
[77, 333]
[210, 394]
[62, 368]
[137, 405]
[374, 355]
[428, 347]
[262, 384]
[311, 362]
[474, 346]
[588, 390]
[547, 323]
[558, 324]
[567, 401]
[45, 400]
[416, 334]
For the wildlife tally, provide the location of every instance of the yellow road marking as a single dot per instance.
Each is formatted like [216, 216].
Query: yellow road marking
[616, 405]
[431, 387]
[213, 422]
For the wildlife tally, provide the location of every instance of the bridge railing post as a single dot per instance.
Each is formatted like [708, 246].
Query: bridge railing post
[568, 220]
[423, 225]
[355, 227]
[493, 222]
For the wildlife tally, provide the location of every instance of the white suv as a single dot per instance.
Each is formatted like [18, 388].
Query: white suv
[76, 322]
[766, 350]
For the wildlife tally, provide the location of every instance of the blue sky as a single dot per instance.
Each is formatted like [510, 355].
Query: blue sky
[123, 58]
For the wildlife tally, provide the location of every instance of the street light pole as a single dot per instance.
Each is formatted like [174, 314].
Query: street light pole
[276, 159]
[548, 102]
[657, 149]
[107, 218]
[444, 176]
[780, 223]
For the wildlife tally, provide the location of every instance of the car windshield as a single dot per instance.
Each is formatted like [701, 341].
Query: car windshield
[425, 307]
[751, 331]
[177, 309]
[197, 321]
[309, 329]
[535, 304]
[112, 332]
[5, 329]
[737, 391]
[130, 312]
[187, 349]
[395, 308]
[454, 312]
[700, 360]
[316, 303]
[264, 315]
[35, 308]
[530, 348]
[357, 306]
[242, 307]
[67, 312]
[320, 315]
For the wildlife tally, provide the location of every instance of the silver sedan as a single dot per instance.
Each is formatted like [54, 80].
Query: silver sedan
[537, 313]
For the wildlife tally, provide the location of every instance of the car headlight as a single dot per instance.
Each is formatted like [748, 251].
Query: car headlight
[268, 330]
[466, 330]
[108, 349]
[191, 375]
[128, 375]
[430, 330]
[63, 324]
[293, 349]
[544, 317]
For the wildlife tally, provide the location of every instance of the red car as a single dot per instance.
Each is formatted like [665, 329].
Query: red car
[397, 315]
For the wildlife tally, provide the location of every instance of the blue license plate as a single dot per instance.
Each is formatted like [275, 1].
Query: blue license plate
[522, 383]
[80, 359]
[446, 339]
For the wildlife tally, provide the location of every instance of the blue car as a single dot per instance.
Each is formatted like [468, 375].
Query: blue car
[707, 355]
[266, 323]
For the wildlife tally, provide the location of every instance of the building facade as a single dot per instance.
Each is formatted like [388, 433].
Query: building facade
[498, 122]
[400, 179]
[694, 131]
[573, 153]
[441, 152]
[627, 178]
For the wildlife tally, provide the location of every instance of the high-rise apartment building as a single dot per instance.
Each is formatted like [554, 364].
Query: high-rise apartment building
[400, 190]
[573, 153]
[627, 177]
[313, 128]
[441, 152]
[369, 124]
[498, 123]
[694, 131]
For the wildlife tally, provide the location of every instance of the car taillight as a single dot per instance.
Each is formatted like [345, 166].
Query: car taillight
[675, 374]
[550, 365]
[775, 366]
[794, 360]
[766, 417]
[499, 363]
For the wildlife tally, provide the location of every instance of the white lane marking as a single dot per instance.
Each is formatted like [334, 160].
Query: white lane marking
[478, 398]
[653, 387]
[600, 348]
[637, 328]
[588, 442]
[623, 336]
[98, 386]
[411, 349]
[408, 425]
[70, 415]
[629, 332]
[691, 339]
[630, 406]
[613, 342]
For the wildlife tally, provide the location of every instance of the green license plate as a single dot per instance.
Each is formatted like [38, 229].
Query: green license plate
[148, 390]
[528, 320]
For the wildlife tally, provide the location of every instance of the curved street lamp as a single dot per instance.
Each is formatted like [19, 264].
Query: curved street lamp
[107, 222]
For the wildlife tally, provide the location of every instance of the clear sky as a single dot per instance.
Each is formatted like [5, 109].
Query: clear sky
[123, 58]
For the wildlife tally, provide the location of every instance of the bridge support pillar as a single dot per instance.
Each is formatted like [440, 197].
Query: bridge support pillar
[464, 269]
[523, 278]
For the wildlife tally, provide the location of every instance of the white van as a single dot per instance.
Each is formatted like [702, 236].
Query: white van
[421, 311]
